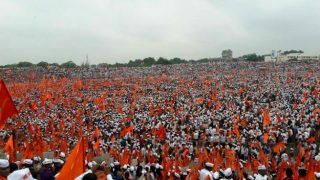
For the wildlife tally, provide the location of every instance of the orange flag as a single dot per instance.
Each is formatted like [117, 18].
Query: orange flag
[236, 130]
[316, 92]
[278, 119]
[96, 133]
[263, 158]
[96, 147]
[9, 149]
[126, 131]
[64, 146]
[200, 100]
[7, 108]
[265, 137]
[279, 146]
[75, 164]
[266, 117]
[161, 132]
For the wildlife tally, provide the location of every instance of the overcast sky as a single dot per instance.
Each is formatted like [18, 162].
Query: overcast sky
[119, 30]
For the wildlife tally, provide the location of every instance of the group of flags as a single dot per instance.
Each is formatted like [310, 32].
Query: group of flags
[75, 164]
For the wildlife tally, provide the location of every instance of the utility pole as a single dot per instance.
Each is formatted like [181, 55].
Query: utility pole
[87, 61]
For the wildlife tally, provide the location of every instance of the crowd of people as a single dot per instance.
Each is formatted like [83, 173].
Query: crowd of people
[187, 121]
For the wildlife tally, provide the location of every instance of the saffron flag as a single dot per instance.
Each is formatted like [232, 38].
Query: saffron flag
[7, 108]
[236, 130]
[9, 149]
[161, 132]
[279, 146]
[75, 164]
[96, 133]
[266, 118]
[200, 100]
[126, 131]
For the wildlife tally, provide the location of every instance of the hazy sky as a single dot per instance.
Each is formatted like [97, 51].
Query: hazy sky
[119, 30]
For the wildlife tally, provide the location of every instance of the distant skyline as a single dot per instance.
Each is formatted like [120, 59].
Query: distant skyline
[113, 31]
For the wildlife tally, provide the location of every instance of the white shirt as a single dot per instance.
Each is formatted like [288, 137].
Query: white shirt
[204, 173]
[260, 177]
[109, 177]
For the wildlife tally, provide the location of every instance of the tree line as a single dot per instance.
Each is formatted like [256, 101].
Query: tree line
[146, 62]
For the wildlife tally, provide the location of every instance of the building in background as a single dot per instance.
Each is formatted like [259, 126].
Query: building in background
[226, 55]
[282, 57]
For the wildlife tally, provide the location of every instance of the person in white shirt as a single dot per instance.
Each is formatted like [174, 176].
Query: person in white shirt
[206, 172]
[228, 174]
[262, 173]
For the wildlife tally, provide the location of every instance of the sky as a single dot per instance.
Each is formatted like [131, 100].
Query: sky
[111, 31]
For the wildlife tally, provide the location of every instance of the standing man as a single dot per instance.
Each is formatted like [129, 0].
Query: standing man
[205, 173]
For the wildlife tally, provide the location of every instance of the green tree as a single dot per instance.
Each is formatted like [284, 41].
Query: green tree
[177, 61]
[25, 64]
[149, 61]
[253, 57]
[10, 65]
[163, 61]
[69, 64]
[43, 64]
[135, 63]
[203, 60]
[292, 51]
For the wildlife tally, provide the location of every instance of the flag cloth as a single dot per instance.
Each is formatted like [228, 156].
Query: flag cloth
[75, 164]
[126, 131]
[266, 118]
[200, 100]
[161, 132]
[9, 149]
[7, 108]
[236, 130]
[279, 146]
[96, 133]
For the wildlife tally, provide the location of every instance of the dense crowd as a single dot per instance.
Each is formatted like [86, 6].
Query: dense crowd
[186, 121]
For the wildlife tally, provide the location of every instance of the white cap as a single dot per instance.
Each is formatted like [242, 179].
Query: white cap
[62, 154]
[82, 175]
[47, 161]
[209, 164]
[284, 156]
[262, 167]
[176, 174]
[116, 163]
[36, 158]
[58, 161]
[90, 164]
[228, 172]
[317, 158]
[27, 161]
[22, 174]
[216, 175]
[4, 163]
[131, 168]
[317, 174]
